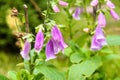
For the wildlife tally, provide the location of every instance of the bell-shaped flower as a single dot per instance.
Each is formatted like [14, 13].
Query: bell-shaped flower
[26, 49]
[55, 8]
[39, 40]
[98, 39]
[50, 54]
[58, 38]
[101, 20]
[94, 3]
[110, 4]
[76, 14]
[62, 3]
[114, 14]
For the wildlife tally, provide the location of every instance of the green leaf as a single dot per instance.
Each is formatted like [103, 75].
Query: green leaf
[49, 72]
[3, 77]
[12, 75]
[111, 57]
[84, 69]
[76, 58]
[113, 40]
[67, 51]
[23, 75]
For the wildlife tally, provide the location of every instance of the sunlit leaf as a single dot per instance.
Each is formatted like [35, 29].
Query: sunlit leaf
[84, 69]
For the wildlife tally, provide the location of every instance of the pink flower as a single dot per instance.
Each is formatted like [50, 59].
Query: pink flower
[101, 20]
[26, 49]
[114, 14]
[98, 40]
[62, 3]
[94, 3]
[50, 50]
[55, 8]
[110, 4]
[76, 14]
[39, 40]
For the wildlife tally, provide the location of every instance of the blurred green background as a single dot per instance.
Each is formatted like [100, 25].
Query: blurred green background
[9, 50]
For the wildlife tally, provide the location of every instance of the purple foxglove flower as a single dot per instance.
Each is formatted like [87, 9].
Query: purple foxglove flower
[94, 45]
[50, 54]
[101, 20]
[76, 14]
[58, 39]
[62, 3]
[39, 40]
[114, 14]
[98, 39]
[94, 3]
[110, 4]
[25, 52]
[55, 8]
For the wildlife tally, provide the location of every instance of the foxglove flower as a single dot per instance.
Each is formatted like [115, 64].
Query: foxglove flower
[55, 8]
[50, 54]
[110, 4]
[94, 3]
[76, 14]
[114, 14]
[39, 40]
[62, 3]
[98, 39]
[101, 20]
[26, 49]
[58, 39]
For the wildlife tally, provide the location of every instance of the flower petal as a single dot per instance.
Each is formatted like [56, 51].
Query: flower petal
[50, 50]
[76, 14]
[25, 52]
[110, 4]
[101, 20]
[114, 14]
[39, 40]
[62, 3]
[94, 3]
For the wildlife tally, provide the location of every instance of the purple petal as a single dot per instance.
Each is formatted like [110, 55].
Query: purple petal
[76, 14]
[39, 40]
[50, 51]
[55, 8]
[110, 4]
[100, 38]
[25, 52]
[114, 14]
[101, 20]
[94, 45]
[62, 3]
[94, 3]
[56, 34]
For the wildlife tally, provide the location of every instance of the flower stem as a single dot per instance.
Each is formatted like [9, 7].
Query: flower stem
[26, 17]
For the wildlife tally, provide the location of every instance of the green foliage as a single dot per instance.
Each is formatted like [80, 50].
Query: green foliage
[84, 69]
[49, 72]
[113, 40]
[3, 77]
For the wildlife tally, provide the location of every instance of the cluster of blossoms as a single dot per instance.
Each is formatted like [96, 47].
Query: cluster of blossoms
[55, 7]
[53, 46]
[98, 39]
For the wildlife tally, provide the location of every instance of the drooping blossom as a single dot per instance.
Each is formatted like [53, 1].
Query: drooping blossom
[114, 14]
[26, 49]
[58, 38]
[101, 20]
[55, 44]
[98, 40]
[62, 3]
[50, 50]
[110, 4]
[55, 8]
[76, 14]
[94, 3]
[39, 40]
